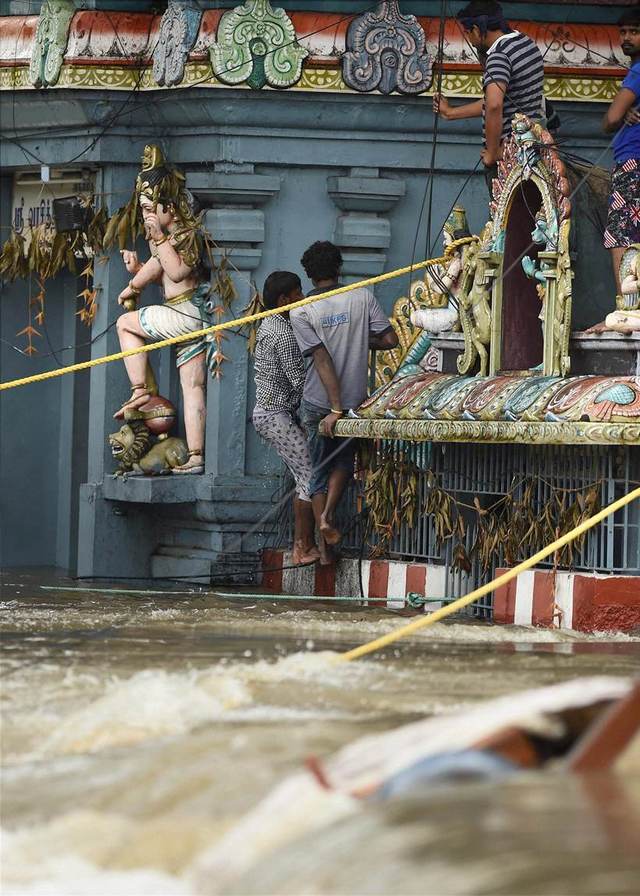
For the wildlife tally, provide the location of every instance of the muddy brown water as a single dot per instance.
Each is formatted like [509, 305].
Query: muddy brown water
[139, 728]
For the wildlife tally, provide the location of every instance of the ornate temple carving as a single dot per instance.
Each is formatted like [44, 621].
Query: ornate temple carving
[386, 51]
[50, 42]
[513, 294]
[178, 32]
[257, 45]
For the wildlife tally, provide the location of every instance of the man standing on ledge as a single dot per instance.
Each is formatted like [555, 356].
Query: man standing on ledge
[512, 81]
[335, 335]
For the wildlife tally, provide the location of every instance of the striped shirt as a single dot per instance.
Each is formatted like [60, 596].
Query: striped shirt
[514, 60]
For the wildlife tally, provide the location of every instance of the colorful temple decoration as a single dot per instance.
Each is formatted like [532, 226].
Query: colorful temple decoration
[386, 51]
[255, 45]
[512, 381]
[50, 42]
[178, 32]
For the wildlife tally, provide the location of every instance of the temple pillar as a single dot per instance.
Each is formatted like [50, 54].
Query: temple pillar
[362, 230]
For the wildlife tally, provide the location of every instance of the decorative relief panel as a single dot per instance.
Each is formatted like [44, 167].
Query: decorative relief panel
[386, 51]
[50, 42]
[178, 32]
[257, 45]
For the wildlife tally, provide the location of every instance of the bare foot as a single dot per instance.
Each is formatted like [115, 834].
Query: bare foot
[330, 534]
[597, 329]
[140, 395]
[193, 465]
[302, 557]
[327, 557]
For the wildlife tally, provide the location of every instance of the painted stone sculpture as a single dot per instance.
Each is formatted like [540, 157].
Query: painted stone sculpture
[626, 319]
[137, 454]
[437, 297]
[386, 51]
[257, 45]
[50, 42]
[503, 403]
[176, 243]
[474, 309]
[178, 33]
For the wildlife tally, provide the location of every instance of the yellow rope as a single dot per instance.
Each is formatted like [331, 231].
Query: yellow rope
[239, 322]
[432, 618]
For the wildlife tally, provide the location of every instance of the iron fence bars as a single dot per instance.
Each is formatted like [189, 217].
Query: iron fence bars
[484, 474]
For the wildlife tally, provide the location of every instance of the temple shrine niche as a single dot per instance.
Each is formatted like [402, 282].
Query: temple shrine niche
[487, 355]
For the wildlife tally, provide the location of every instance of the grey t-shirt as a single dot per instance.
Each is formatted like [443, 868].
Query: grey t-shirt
[342, 324]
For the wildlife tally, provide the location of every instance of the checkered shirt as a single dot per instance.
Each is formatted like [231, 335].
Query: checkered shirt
[279, 367]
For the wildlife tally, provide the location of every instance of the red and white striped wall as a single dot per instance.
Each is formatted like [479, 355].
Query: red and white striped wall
[384, 582]
[585, 602]
[580, 601]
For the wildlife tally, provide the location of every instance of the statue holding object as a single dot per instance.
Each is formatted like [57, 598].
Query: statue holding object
[176, 243]
[437, 295]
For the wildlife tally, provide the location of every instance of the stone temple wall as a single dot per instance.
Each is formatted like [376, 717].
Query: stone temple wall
[276, 167]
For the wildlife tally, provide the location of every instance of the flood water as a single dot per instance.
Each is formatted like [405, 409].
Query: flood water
[138, 729]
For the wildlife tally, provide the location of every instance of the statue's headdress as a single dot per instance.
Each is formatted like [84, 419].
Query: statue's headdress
[156, 180]
[456, 224]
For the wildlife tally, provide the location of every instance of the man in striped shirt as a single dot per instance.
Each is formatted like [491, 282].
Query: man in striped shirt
[512, 80]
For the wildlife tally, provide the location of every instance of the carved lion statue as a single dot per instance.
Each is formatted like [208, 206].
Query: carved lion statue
[132, 447]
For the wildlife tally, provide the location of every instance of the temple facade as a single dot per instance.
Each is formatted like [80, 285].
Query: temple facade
[294, 122]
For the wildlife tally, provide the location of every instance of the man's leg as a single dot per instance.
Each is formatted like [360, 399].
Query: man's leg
[338, 481]
[131, 335]
[192, 380]
[304, 548]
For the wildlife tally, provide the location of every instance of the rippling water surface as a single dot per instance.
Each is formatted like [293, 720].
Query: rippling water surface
[139, 728]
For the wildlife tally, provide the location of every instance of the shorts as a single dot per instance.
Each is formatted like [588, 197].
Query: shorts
[164, 321]
[623, 221]
[327, 453]
[279, 429]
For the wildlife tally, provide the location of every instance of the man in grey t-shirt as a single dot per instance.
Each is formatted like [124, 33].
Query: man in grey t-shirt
[335, 336]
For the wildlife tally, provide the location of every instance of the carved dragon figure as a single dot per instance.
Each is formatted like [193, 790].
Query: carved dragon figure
[130, 446]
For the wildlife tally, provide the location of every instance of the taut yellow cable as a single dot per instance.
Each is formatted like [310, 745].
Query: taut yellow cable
[227, 325]
[490, 586]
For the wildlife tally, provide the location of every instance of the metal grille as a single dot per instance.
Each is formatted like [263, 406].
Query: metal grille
[490, 471]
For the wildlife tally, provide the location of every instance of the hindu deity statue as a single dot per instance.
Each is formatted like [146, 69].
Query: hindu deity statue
[544, 234]
[176, 244]
[626, 319]
[437, 294]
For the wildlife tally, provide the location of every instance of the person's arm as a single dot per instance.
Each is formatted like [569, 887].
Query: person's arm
[442, 107]
[172, 264]
[494, 104]
[329, 379]
[150, 272]
[383, 341]
[615, 115]
[292, 364]
[382, 336]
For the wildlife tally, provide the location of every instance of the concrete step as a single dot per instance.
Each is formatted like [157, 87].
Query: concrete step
[209, 536]
[200, 565]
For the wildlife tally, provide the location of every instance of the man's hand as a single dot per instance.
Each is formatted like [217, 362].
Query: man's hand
[633, 116]
[152, 227]
[490, 157]
[328, 424]
[441, 106]
[130, 260]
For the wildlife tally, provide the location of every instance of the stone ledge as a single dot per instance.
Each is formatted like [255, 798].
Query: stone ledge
[152, 489]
